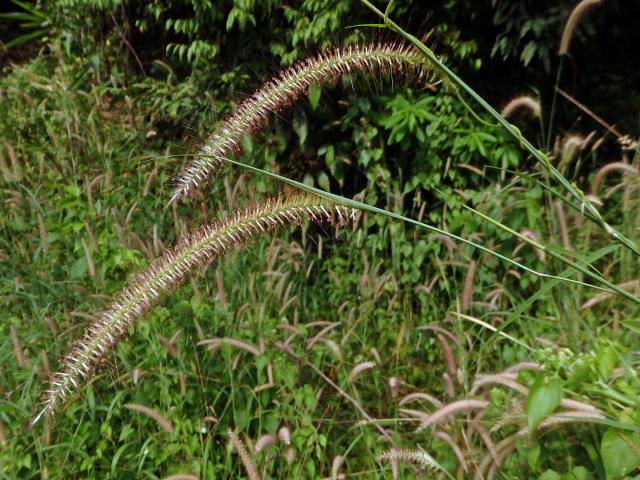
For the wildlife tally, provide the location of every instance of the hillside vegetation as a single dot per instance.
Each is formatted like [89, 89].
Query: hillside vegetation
[263, 240]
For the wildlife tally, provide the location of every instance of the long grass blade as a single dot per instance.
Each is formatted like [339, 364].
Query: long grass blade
[369, 208]
[540, 156]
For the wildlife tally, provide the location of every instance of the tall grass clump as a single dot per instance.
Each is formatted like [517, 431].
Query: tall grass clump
[209, 242]
[282, 91]
[167, 272]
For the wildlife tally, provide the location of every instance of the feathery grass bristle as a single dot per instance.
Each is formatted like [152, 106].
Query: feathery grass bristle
[412, 456]
[287, 87]
[573, 21]
[247, 460]
[451, 409]
[522, 103]
[151, 413]
[623, 167]
[167, 272]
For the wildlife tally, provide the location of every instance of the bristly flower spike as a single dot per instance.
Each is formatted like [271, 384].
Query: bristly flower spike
[167, 272]
[284, 90]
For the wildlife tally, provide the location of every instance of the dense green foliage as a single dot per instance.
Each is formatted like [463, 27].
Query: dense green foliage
[95, 124]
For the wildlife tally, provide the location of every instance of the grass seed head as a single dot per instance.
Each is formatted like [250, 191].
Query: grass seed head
[164, 274]
[522, 103]
[574, 19]
[284, 90]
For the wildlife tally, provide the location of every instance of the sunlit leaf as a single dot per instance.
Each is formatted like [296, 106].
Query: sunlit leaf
[544, 397]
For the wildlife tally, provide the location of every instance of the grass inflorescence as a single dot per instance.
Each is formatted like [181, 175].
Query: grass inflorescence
[167, 272]
[283, 90]
[391, 351]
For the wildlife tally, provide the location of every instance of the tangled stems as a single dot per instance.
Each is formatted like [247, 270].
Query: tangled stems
[283, 91]
[167, 272]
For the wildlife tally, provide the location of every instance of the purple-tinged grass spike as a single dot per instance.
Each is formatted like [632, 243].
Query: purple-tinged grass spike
[284, 90]
[164, 274]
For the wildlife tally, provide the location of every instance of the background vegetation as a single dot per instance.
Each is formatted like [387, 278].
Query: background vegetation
[101, 97]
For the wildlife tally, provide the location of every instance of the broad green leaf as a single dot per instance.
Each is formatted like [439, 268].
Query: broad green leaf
[620, 452]
[78, 269]
[606, 360]
[323, 180]
[578, 473]
[533, 457]
[549, 475]
[544, 397]
[633, 325]
[582, 372]
[301, 126]
[314, 96]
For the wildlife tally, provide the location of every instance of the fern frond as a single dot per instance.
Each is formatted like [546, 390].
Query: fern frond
[284, 90]
[166, 273]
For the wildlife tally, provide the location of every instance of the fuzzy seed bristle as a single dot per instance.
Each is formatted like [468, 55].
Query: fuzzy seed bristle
[247, 461]
[451, 409]
[167, 272]
[151, 413]
[623, 167]
[569, 28]
[522, 103]
[285, 89]
[412, 456]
